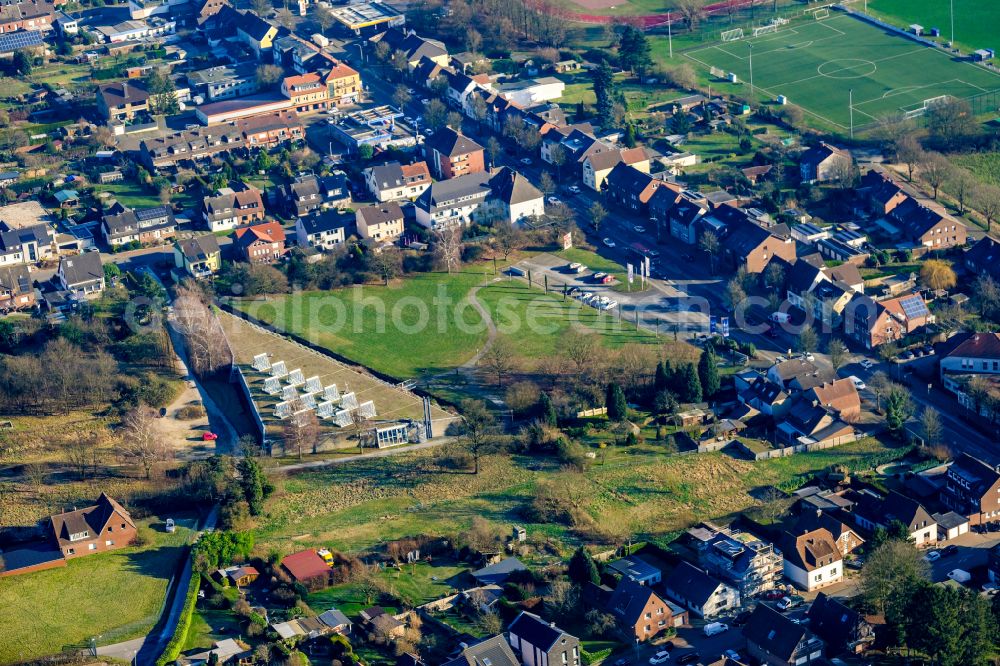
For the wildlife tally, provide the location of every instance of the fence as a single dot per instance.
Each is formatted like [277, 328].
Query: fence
[587, 413]
[257, 420]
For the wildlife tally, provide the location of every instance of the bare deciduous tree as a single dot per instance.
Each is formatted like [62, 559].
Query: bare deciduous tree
[140, 443]
[936, 170]
[301, 429]
[500, 358]
[448, 246]
[207, 347]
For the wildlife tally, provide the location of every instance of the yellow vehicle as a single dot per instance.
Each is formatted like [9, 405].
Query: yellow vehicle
[326, 555]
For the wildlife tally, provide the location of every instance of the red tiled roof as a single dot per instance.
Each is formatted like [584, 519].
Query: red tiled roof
[305, 565]
[269, 232]
[979, 345]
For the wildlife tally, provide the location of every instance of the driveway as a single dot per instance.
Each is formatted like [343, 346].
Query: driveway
[973, 553]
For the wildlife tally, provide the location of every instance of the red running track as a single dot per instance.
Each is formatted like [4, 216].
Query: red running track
[650, 20]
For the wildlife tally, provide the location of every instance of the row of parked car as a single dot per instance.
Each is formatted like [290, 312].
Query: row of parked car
[592, 299]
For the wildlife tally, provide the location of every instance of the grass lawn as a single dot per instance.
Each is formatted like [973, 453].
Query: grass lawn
[985, 166]
[638, 97]
[209, 626]
[348, 599]
[643, 490]
[134, 196]
[817, 63]
[419, 325]
[535, 321]
[975, 22]
[117, 595]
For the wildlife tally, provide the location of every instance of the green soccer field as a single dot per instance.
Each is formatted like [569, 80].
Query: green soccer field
[818, 64]
[976, 21]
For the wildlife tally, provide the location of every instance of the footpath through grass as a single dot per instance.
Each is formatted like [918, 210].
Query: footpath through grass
[117, 595]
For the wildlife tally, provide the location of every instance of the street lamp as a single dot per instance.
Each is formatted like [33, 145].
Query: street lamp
[850, 105]
[750, 47]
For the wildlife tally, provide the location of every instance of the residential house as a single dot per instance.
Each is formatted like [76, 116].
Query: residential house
[27, 15]
[227, 652]
[681, 212]
[748, 564]
[598, 165]
[238, 575]
[336, 621]
[413, 47]
[924, 227]
[798, 374]
[16, 292]
[840, 396]
[94, 529]
[638, 569]
[453, 202]
[205, 9]
[527, 92]
[749, 246]
[842, 629]
[814, 289]
[343, 84]
[632, 188]
[82, 275]
[381, 223]
[703, 595]
[143, 226]
[461, 86]
[199, 256]
[234, 206]
[494, 651]
[812, 559]
[306, 566]
[846, 538]
[766, 396]
[260, 243]
[307, 92]
[382, 624]
[874, 323]
[323, 231]
[309, 193]
[640, 612]
[451, 154]
[498, 572]
[540, 643]
[122, 100]
[394, 181]
[881, 192]
[255, 32]
[972, 489]
[806, 422]
[983, 258]
[514, 197]
[824, 163]
[872, 511]
[774, 640]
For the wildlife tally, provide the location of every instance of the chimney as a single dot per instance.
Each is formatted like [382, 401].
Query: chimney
[125, 90]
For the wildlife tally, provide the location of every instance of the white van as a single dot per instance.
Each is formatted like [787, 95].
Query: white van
[714, 628]
[780, 317]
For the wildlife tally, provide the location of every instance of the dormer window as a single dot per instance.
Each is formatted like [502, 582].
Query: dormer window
[76, 536]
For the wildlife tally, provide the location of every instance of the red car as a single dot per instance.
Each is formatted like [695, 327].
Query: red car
[209, 437]
[771, 595]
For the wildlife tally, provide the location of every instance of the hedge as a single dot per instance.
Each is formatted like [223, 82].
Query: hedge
[594, 657]
[176, 644]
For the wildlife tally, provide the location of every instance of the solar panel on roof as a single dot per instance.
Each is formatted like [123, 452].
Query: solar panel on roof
[914, 307]
[20, 40]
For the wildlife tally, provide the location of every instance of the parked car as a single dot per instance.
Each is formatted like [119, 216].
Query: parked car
[574, 189]
[866, 364]
[932, 556]
[600, 275]
[928, 350]
[170, 526]
[554, 200]
[858, 383]
[209, 437]
[526, 161]
[771, 595]
[907, 355]
[660, 657]
[949, 550]
[787, 603]
[689, 658]
[960, 576]
[425, 101]
[639, 229]
[574, 267]
[713, 628]
[608, 242]
[732, 654]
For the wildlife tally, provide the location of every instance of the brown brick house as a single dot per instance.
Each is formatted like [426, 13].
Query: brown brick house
[93, 529]
[752, 247]
[451, 154]
[972, 489]
[260, 243]
[840, 395]
[641, 613]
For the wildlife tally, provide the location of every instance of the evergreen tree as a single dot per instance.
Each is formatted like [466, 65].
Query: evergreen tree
[708, 372]
[689, 386]
[582, 569]
[630, 137]
[162, 93]
[633, 51]
[253, 485]
[661, 380]
[604, 89]
[616, 404]
[547, 411]
[581, 112]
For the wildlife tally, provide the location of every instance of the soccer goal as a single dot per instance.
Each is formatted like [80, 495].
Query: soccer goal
[821, 13]
[717, 73]
[765, 30]
[732, 35]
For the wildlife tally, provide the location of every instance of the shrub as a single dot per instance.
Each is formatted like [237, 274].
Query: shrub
[173, 649]
[190, 412]
[594, 657]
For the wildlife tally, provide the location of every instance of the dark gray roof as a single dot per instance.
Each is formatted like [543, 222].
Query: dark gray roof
[15, 279]
[629, 600]
[635, 567]
[691, 583]
[449, 142]
[315, 224]
[86, 267]
[199, 248]
[491, 652]
[512, 188]
[444, 193]
[528, 626]
[499, 572]
[773, 632]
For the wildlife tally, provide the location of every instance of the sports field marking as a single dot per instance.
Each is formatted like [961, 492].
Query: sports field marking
[838, 66]
[821, 75]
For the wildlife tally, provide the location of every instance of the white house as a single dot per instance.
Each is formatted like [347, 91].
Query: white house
[324, 231]
[812, 560]
[514, 197]
[703, 595]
